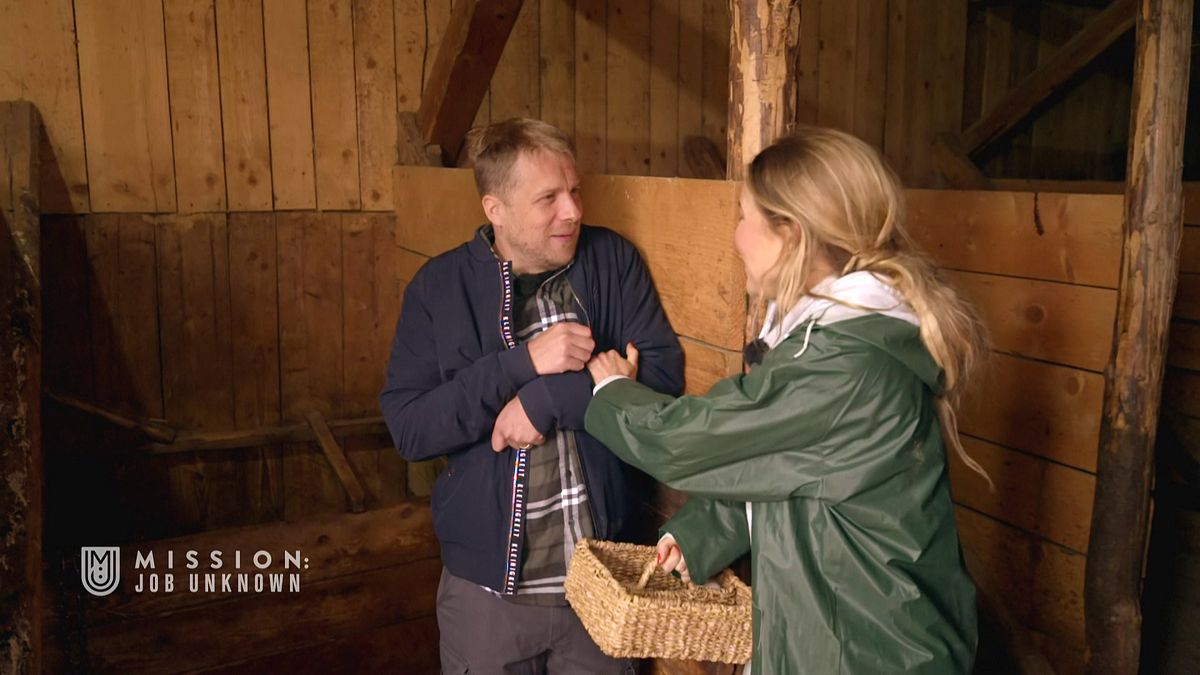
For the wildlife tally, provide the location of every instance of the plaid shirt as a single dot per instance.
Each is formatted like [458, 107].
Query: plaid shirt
[557, 514]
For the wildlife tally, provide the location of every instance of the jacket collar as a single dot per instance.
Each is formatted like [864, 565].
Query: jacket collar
[837, 299]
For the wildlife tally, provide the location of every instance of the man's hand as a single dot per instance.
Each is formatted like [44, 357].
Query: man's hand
[513, 428]
[561, 348]
[611, 363]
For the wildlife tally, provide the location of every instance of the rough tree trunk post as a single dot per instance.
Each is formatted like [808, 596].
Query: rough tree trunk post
[764, 49]
[1153, 227]
[20, 393]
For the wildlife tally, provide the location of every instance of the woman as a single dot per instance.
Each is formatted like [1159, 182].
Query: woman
[826, 460]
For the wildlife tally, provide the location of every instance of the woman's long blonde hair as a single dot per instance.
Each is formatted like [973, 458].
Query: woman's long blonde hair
[823, 190]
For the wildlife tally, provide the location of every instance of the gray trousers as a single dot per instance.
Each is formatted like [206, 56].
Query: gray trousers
[483, 634]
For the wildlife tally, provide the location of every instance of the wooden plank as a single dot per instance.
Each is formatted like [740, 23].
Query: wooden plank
[900, 88]
[1181, 391]
[515, 86]
[193, 302]
[381, 470]
[1187, 297]
[1114, 21]
[126, 115]
[195, 82]
[1055, 237]
[1184, 345]
[67, 355]
[837, 53]
[254, 312]
[445, 196]
[37, 46]
[1047, 499]
[409, 25]
[334, 109]
[691, 81]
[997, 65]
[355, 494]
[664, 88]
[252, 626]
[406, 647]
[1040, 584]
[244, 104]
[705, 365]
[437, 19]
[197, 361]
[372, 303]
[808, 71]
[1069, 325]
[1189, 251]
[124, 313]
[945, 91]
[466, 61]
[870, 72]
[591, 85]
[698, 275]
[715, 91]
[375, 70]
[311, 355]
[1047, 410]
[628, 101]
[556, 36]
[289, 104]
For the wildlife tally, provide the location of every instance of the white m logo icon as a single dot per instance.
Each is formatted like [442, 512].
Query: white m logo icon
[100, 569]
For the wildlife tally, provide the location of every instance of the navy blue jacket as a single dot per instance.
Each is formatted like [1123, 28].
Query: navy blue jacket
[455, 364]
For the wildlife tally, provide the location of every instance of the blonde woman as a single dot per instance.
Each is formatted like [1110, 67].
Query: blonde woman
[827, 459]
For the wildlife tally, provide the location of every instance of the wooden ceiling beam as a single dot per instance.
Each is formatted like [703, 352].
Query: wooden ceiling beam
[1109, 25]
[463, 71]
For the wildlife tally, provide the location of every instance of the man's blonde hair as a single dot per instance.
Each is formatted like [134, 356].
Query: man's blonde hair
[824, 190]
[494, 149]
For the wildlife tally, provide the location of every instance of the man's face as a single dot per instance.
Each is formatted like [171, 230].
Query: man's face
[537, 222]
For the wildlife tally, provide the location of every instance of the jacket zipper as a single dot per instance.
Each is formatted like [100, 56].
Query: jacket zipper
[517, 507]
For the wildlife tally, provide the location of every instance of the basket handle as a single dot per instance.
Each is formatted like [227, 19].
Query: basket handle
[648, 571]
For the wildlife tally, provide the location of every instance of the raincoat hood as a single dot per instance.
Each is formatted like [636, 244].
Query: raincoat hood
[835, 301]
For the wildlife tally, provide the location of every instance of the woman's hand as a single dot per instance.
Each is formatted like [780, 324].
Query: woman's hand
[670, 557]
[612, 363]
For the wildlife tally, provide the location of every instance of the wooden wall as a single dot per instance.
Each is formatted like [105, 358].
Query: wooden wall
[1081, 134]
[214, 105]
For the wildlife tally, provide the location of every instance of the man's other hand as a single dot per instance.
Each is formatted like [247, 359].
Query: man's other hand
[513, 428]
[561, 348]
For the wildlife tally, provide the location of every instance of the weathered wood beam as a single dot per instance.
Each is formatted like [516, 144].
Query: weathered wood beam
[1133, 391]
[1110, 24]
[764, 46]
[462, 72]
[337, 460]
[412, 149]
[956, 166]
[249, 438]
[21, 467]
[154, 430]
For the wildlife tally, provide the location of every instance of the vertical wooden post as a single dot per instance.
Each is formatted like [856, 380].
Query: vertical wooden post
[764, 48]
[20, 392]
[1153, 227]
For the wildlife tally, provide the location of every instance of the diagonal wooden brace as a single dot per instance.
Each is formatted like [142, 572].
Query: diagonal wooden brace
[337, 460]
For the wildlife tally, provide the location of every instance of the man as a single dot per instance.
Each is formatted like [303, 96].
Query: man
[488, 369]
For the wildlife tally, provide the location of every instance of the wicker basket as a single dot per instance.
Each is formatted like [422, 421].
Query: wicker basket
[633, 609]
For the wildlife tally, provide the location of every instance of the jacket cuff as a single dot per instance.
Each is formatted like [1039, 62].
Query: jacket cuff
[517, 366]
[557, 401]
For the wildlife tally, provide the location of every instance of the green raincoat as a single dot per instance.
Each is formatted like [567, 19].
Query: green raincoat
[826, 462]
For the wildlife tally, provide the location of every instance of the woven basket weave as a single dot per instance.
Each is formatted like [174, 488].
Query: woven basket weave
[632, 609]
